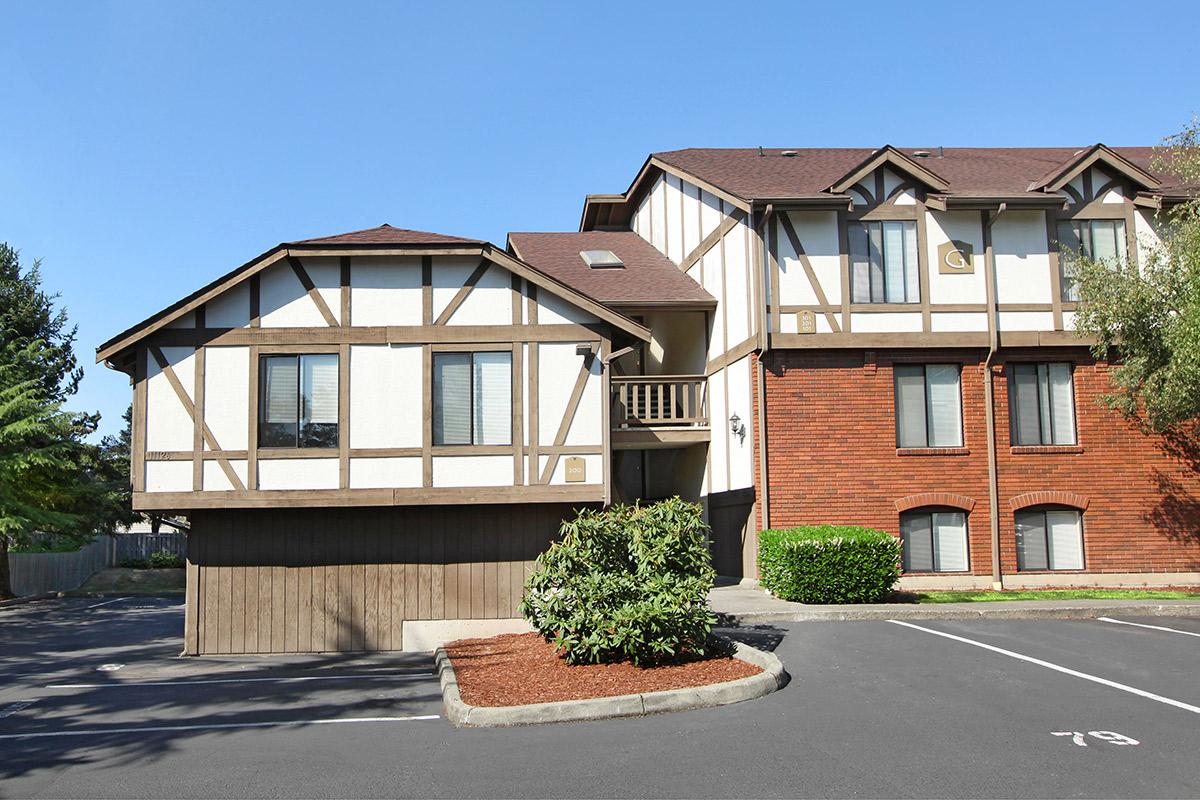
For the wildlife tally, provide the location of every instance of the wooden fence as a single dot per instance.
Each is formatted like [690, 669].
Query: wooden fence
[38, 573]
[139, 546]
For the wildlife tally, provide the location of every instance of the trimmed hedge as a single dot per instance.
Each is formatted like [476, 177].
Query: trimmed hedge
[627, 583]
[828, 564]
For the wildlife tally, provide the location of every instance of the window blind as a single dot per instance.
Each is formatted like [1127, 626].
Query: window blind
[1031, 541]
[493, 398]
[1096, 239]
[1064, 539]
[1050, 539]
[916, 535]
[945, 413]
[1062, 403]
[452, 398]
[910, 405]
[883, 262]
[912, 284]
[934, 541]
[860, 264]
[1042, 404]
[1026, 419]
[281, 403]
[893, 259]
[319, 389]
[949, 541]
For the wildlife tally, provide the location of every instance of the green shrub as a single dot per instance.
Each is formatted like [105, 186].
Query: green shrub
[165, 559]
[629, 582]
[135, 563]
[829, 563]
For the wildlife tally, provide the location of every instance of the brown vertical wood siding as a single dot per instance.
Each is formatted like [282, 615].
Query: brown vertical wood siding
[734, 537]
[320, 580]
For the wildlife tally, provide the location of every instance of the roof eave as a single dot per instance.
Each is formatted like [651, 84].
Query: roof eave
[950, 202]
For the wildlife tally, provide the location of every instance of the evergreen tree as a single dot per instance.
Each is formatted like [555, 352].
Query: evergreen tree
[52, 479]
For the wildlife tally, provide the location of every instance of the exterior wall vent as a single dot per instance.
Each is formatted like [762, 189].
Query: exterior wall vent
[601, 259]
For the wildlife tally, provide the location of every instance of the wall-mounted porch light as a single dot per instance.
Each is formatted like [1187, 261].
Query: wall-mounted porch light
[737, 428]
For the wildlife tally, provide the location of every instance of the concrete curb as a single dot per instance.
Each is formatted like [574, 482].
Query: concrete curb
[1007, 609]
[31, 598]
[461, 714]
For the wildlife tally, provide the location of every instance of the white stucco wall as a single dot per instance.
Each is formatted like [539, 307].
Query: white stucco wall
[386, 395]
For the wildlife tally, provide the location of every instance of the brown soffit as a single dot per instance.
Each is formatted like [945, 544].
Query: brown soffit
[888, 155]
[1098, 153]
[122, 341]
[818, 202]
[1033, 200]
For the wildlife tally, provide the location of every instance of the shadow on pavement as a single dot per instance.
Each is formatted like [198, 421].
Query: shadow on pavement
[66, 643]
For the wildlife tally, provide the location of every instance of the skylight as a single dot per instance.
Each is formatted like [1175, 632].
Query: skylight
[601, 259]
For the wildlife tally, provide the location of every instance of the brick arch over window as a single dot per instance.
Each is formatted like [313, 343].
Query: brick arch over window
[1049, 498]
[935, 499]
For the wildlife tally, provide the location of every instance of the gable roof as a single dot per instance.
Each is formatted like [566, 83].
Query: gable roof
[383, 240]
[386, 234]
[1097, 153]
[811, 175]
[648, 277]
[890, 156]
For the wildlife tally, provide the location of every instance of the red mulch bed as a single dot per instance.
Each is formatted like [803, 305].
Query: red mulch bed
[518, 668]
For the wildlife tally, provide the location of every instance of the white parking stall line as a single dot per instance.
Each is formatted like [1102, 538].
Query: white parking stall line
[202, 682]
[1151, 627]
[105, 603]
[1057, 668]
[217, 726]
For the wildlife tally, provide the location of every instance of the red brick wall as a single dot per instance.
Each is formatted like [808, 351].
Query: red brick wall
[832, 458]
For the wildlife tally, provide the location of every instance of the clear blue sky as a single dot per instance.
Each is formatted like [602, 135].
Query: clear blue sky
[149, 147]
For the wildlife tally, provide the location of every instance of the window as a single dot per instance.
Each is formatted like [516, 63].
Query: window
[1096, 239]
[298, 401]
[1049, 539]
[934, 541]
[472, 398]
[928, 406]
[883, 262]
[1041, 404]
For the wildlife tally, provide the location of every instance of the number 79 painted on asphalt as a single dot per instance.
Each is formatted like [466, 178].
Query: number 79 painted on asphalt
[1105, 736]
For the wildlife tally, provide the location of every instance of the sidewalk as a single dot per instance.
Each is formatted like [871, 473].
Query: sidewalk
[744, 605]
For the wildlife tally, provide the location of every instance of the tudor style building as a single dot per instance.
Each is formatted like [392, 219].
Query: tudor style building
[901, 325]
[375, 433]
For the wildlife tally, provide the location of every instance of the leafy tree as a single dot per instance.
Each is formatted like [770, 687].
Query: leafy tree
[52, 479]
[1150, 317]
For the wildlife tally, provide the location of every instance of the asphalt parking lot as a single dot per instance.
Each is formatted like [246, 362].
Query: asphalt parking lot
[95, 702]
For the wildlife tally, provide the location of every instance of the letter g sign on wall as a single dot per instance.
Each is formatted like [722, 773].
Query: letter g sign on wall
[954, 258]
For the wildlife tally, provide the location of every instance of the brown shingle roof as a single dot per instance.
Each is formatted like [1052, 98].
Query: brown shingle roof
[648, 276]
[386, 234]
[968, 170]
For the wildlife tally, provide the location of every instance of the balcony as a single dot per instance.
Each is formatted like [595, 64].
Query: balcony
[659, 411]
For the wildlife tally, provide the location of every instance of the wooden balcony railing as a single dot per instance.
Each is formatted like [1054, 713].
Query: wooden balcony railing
[659, 400]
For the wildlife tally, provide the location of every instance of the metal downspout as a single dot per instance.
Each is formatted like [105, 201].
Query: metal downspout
[989, 400]
[764, 283]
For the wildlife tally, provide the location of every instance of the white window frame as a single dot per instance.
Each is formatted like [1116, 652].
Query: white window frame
[1045, 401]
[896, 375]
[1048, 544]
[937, 554]
[475, 430]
